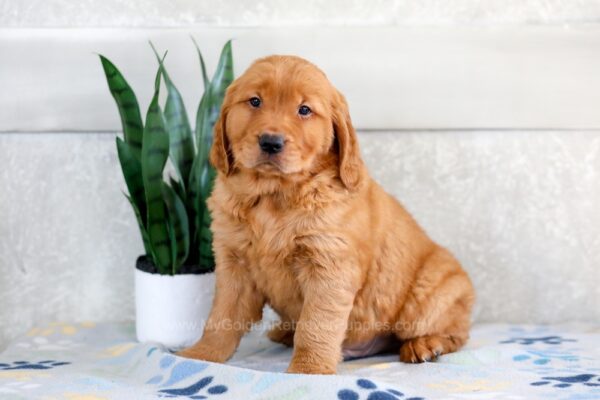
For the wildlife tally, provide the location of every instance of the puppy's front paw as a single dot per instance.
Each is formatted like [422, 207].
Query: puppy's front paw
[309, 362]
[313, 369]
[200, 352]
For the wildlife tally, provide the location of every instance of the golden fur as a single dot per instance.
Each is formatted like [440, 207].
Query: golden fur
[310, 233]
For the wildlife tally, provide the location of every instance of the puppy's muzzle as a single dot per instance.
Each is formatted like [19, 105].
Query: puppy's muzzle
[271, 144]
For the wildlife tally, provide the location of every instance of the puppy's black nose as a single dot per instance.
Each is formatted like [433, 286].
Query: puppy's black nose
[271, 144]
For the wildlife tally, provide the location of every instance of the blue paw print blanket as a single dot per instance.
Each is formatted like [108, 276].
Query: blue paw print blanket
[103, 361]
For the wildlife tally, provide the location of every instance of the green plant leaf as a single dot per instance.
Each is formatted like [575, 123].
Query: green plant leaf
[202, 65]
[181, 145]
[155, 151]
[212, 99]
[204, 217]
[207, 259]
[127, 103]
[177, 187]
[138, 216]
[132, 172]
[202, 174]
[179, 231]
[199, 194]
[206, 117]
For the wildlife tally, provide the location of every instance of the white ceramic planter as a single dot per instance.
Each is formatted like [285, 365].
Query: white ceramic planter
[172, 310]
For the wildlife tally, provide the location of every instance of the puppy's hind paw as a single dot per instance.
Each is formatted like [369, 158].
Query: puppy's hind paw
[428, 348]
[280, 334]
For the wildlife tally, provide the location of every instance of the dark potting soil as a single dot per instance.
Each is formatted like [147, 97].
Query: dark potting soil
[145, 264]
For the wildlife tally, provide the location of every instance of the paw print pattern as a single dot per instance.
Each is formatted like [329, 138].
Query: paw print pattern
[568, 381]
[46, 364]
[533, 340]
[544, 357]
[193, 391]
[372, 392]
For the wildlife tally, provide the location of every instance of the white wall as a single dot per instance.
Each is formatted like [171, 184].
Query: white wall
[517, 206]
[260, 13]
[519, 209]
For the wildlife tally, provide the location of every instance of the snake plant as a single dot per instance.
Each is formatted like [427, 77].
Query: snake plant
[171, 210]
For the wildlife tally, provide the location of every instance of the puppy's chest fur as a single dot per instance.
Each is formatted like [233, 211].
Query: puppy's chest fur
[281, 241]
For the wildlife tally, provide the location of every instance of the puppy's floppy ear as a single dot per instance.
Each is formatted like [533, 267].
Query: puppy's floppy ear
[349, 161]
[220, 155]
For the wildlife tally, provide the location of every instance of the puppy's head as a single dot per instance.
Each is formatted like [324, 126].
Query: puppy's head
[283, 117]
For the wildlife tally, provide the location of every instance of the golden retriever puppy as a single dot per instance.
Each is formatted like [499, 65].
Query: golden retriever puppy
[298, 224]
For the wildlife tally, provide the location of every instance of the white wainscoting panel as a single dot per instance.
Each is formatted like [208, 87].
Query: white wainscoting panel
[526, 77]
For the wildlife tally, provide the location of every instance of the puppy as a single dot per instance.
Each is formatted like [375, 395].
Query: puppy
[298, 224]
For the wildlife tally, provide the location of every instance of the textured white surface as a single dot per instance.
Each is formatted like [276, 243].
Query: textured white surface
[519, 209]
[144, 13]
[67, 238]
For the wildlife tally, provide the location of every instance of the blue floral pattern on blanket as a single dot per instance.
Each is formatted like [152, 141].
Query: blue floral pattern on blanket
[99, 362]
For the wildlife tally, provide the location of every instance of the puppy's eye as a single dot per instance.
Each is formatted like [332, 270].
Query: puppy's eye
[254, 102]
[304, 110]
